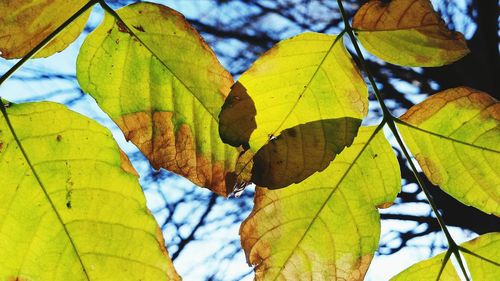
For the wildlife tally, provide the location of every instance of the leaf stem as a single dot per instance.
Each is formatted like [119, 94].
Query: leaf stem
[45, 41]
[453, 247]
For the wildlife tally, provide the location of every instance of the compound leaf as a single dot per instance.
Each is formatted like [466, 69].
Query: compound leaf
[455, 137]
[407, 32]
[483, 264]
[71, 207]
[327, 227]
[306, 90]
[26, 23]
[160, 82]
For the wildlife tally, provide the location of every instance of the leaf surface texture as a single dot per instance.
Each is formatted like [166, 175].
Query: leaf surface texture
[160, 82]
[486, 246]
[75, 211]
[24, 24]
[407, 32]
[455, 137]
[327, 227]
[303, 85]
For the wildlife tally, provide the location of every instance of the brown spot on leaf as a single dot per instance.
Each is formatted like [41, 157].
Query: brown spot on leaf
[360, 268]
[385, 205]
[237, 117]
[430, 168]
[122, 27]
[462, 96]
[139, 27]
[18, 278]
[59, 138]
[126, 165]
[292, 157]
[172, 148]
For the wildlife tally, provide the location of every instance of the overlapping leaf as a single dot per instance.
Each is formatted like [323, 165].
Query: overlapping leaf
[483, 265]
[326, 227]
[298, 106]
[407, 32]
[455, 137]
[75, 211]
[24, 24]
[159, 81]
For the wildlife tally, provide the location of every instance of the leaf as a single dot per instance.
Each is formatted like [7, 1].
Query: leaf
[302, 81]
[486, 246]
[26, 23]
[300, 151]
[407, 32]
[455, 137]
[159, 81]
[75, 211]
[326, 227]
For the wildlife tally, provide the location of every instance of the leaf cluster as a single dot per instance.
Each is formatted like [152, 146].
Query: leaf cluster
[72, 207]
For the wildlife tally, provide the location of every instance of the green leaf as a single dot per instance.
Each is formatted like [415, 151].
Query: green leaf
[326, 227]
[455, 137]
[26, 23]
[307, 79]
[483, 264]
[160, 82]
[407, 32]
[71, 207]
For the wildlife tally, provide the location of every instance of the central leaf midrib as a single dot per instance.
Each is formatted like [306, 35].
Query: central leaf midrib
[302, 93]
[46, 194]
[334, 189]
[132, 33]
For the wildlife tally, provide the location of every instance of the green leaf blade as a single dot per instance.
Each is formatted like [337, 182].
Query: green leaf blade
[76, 210]
[27, 23]
[165, 93]
[301, 80]
[486, 246]
[334, 227]
[455, 137]
[408, 33]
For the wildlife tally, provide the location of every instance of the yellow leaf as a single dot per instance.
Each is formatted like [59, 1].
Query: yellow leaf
[75, 211]
[455, 137]
[407, 32]
[24, 24]
[481, 268]
[327, 227]
[160, 82]
[302, 86]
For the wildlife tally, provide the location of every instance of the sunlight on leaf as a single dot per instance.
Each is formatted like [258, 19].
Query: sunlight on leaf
[75, 211]
[407, 32]
[327, 227]
[455, 137]
[300, 82]
[162, 84]
[24, 24]
[481, 268]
